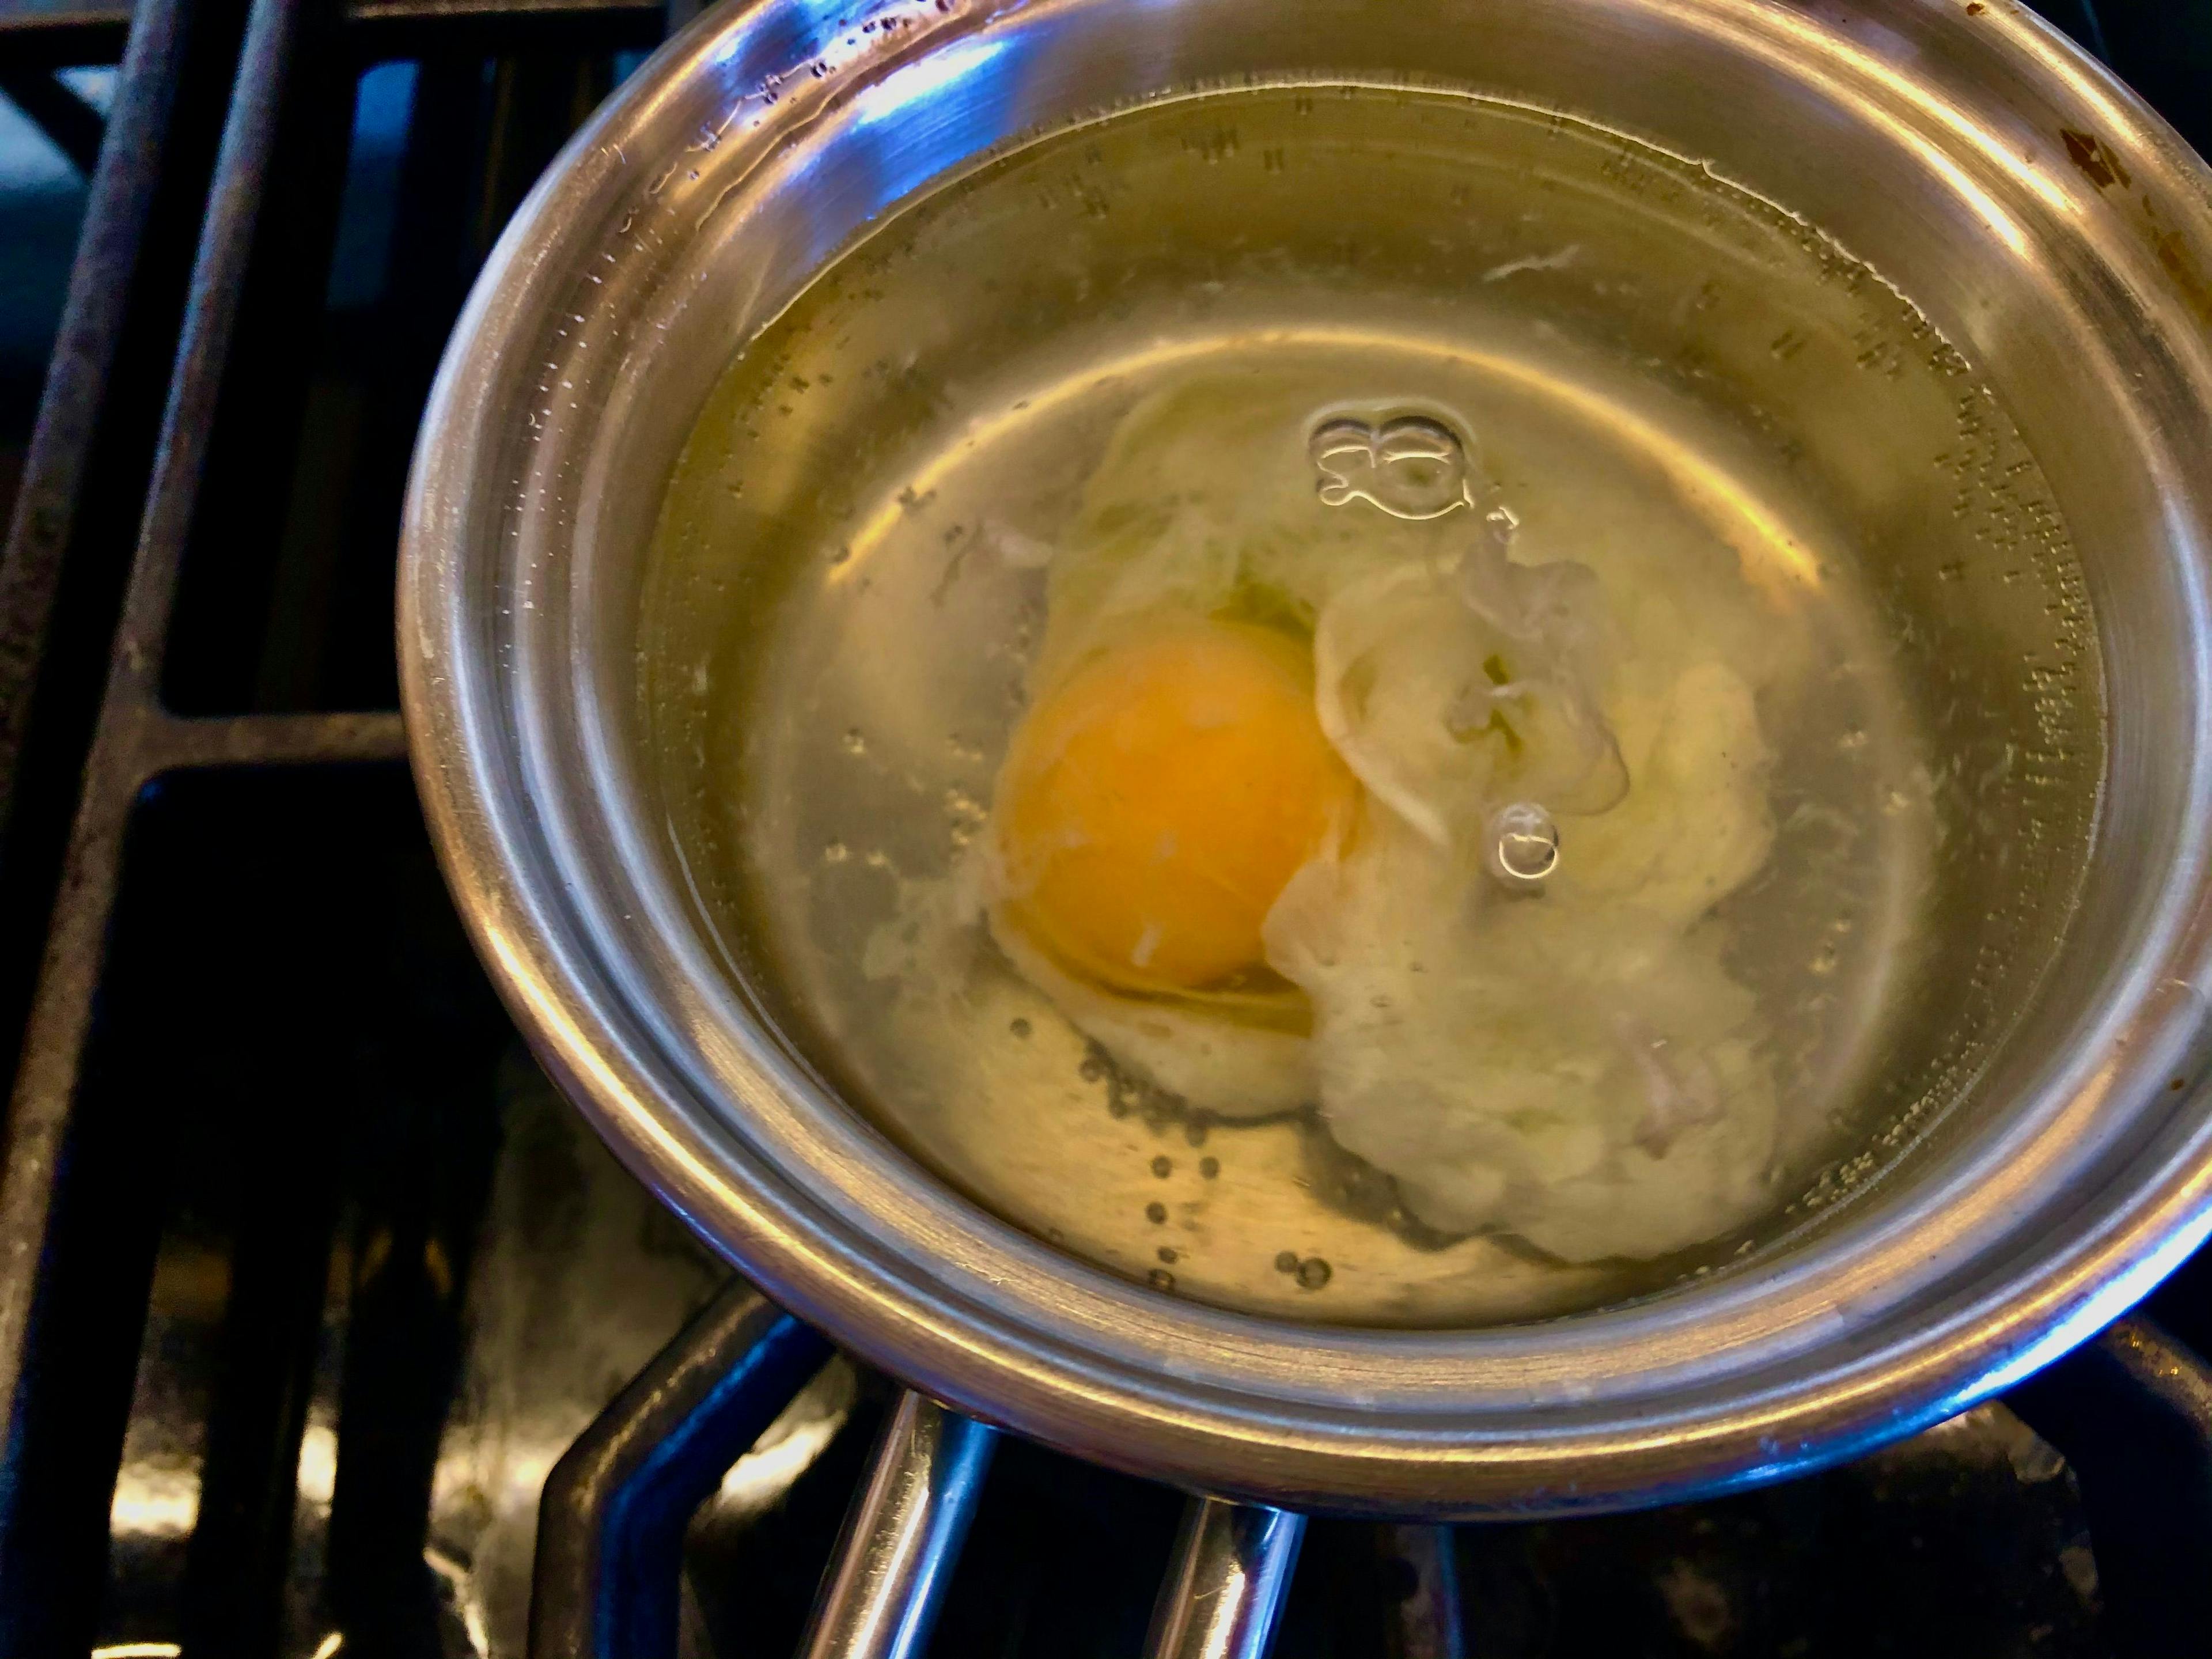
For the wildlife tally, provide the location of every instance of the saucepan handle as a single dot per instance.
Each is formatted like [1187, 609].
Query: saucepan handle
[1224, 1594]
[611, 1527]
[1225, 1588]
[884, 1586]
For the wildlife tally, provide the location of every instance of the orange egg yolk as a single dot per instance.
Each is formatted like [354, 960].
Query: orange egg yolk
[1157, 798]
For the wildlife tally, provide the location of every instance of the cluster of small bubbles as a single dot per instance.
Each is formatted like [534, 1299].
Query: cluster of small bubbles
[1126, 1094]
[1312, 1271]
[963, 814]
[1838, 1179]
[1213, 147]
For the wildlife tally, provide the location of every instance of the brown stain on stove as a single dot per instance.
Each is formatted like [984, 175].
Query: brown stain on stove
[2097, 164]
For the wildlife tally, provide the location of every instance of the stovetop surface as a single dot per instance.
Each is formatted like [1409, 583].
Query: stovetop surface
[340, 1278]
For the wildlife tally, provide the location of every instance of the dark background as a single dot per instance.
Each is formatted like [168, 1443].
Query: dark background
[331, 1278]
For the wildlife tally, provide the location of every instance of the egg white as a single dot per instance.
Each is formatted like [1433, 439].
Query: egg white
[1577, 1070]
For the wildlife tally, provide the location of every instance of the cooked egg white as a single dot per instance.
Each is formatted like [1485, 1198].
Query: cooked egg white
[1235, 839]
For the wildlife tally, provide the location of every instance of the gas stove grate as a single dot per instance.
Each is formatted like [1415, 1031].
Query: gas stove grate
[314, 1300]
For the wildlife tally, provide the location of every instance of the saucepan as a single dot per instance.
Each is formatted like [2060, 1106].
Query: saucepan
[2021, 457]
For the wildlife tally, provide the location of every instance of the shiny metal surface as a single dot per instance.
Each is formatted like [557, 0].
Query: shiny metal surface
[574, 1286]
[880, 1597]
[577, 1279]
[2054, 231]
[607, 1578]
[156, 1500]
[1224, 1593]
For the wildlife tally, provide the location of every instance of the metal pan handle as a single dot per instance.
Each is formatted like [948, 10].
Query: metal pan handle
[884, 1586]
[1225, 1590]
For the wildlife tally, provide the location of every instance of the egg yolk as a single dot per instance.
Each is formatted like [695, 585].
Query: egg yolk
[1157, 798]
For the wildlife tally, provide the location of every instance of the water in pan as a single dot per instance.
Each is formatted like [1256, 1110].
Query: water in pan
[1767, 703]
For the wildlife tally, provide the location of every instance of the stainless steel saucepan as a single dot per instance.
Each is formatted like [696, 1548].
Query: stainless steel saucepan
[2052, 229]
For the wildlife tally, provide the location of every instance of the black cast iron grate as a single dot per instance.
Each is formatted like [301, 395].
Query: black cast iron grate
[307, 1282]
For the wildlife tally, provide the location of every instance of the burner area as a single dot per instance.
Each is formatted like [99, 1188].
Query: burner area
[325, 1327]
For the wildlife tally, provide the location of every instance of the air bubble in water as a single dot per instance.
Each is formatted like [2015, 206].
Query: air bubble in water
[1412, 467]
[1521, 846]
